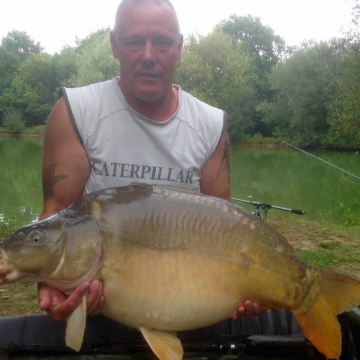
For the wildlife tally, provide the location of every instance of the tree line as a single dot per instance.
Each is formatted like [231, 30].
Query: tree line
[308, 95]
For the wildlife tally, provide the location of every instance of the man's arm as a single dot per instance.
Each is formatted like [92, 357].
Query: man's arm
[65, 164]
[65, 171]
[215, 176]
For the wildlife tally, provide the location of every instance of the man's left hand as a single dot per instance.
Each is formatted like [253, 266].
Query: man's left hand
[248, 309]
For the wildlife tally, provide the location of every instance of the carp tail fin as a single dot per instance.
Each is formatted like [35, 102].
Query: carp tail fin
[321, 328]
[338, 293]
[165, 345]
[75, 326]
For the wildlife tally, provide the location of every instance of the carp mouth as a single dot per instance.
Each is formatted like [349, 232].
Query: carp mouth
[5, 269]
[3, 278]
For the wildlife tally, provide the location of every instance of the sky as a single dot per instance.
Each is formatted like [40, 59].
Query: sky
[57, 23]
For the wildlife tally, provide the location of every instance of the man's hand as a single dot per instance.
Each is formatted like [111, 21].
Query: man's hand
[59, 306]
[247, 310]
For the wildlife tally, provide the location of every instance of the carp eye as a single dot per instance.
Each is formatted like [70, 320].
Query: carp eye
[36, 237]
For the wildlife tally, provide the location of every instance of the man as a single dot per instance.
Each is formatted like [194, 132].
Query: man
[138, 127]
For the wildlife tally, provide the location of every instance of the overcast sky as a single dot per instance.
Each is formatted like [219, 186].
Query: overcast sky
[56, 23]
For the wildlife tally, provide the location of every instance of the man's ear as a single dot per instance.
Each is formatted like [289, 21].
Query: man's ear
[113, 43]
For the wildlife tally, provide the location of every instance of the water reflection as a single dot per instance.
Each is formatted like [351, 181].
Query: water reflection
[20, 179]
[22, 215]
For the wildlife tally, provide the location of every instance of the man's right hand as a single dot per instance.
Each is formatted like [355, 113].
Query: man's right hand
[59, 306]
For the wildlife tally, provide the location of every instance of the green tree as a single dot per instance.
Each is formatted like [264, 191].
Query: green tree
[32, 89]
[15, 49]
[8, 66]
[266, 50]
[353, 34]
[304, 86]
[81, 44]
[94, 59]
[20, 45]
[65, 66]
[216, 69]
[344, 118]
[264, 47]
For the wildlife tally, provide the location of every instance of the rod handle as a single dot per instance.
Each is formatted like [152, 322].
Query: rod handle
[299, 212]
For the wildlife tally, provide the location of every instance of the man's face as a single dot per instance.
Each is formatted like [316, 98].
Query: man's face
[148, 46]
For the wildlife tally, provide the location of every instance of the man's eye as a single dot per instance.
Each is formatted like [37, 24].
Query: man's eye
[162, 44]
[135, 44]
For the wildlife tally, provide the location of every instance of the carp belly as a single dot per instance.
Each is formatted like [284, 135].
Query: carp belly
[172, 290]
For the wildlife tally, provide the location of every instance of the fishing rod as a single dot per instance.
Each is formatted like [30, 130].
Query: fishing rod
[269, 206]
[326, 162]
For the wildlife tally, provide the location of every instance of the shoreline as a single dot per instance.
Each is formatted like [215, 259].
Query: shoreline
[266, 143]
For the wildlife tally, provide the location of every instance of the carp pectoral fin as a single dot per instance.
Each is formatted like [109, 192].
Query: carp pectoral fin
[75, 326]
[165, 345]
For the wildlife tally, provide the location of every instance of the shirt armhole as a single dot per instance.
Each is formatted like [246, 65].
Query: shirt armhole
[223, 131]
[63, 93]
[224, 123]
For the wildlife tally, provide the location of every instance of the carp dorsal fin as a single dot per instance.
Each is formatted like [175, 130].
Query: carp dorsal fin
[75, 326]
[164, 344]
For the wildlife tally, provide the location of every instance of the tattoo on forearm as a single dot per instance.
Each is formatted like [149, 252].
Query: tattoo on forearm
[225, 161]
[49, 180]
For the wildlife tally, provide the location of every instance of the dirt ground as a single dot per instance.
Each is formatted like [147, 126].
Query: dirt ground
[340, 245]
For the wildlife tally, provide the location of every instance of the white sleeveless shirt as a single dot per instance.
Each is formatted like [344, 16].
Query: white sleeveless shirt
[125, 147]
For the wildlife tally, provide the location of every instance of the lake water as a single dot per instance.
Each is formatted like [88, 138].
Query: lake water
[281, 177]
[292, 179]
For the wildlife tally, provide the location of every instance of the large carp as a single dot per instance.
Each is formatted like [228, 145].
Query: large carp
[175, 260]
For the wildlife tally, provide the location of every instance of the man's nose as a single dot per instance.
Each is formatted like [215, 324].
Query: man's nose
[148, 52]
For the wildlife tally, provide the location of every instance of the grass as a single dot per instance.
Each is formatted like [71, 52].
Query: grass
[18, 299]
[321, 243]
[38, 130]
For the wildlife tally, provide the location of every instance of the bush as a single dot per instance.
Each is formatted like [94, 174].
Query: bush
[35, 130]
[13, 122]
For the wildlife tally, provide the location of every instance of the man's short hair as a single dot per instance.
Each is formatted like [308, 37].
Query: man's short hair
[157, 2]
